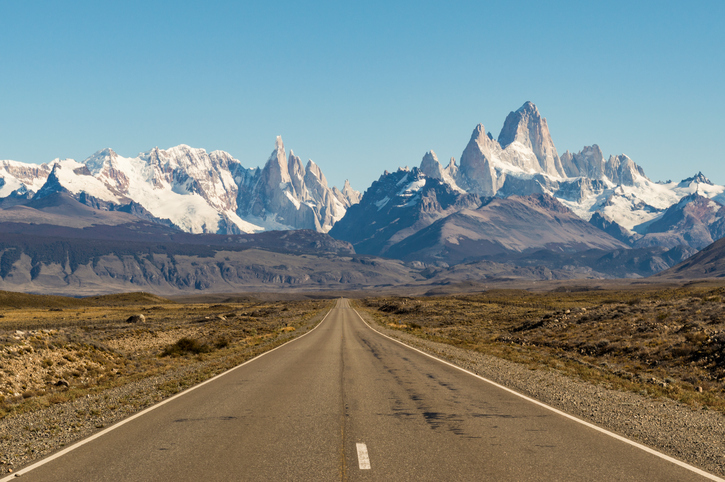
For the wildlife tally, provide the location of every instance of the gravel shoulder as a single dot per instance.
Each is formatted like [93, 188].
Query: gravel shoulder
[696, 437]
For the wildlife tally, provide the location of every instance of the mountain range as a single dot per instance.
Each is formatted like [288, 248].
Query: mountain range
[189, 189]
[511, 207]
[200, 192]
[514, 199]
[614, 194]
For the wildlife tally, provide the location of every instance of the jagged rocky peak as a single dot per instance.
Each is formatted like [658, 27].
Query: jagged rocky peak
[589, 162]
[430, 166]
[622, 170]
[276, 170]
[52, 183]
[528, 128]
[348, 196]
[482, 139]
[100, 159]
[351, 194]
[286, 194]
[276, 166]
[314, 170]
[296, 173]
[314, 181]
[695, 199]
[476, 172]
[567, 163]
[698, 178]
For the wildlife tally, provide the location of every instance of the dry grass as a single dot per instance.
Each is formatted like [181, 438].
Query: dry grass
[662, 342]
[53, 349]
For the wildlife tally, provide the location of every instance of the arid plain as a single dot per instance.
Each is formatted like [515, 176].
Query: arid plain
[71, 366]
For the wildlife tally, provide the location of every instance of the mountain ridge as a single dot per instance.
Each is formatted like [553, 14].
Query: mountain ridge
[202, 192]
[195, 190]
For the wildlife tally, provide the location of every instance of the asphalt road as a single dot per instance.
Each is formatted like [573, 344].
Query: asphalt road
[321, 406]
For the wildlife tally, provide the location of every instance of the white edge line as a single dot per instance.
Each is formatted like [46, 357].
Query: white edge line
[558, 412]
[149, 409]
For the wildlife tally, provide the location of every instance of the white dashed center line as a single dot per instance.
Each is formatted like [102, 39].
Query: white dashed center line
[362, 457]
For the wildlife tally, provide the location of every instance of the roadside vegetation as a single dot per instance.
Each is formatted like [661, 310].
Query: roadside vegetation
[56, 349]
[661, 342]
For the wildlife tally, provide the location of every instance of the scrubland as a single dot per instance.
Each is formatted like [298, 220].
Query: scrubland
[660, 342]
[70, 366]
[56, 349]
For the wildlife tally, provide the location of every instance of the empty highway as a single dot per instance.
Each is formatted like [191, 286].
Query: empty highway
[346, 403]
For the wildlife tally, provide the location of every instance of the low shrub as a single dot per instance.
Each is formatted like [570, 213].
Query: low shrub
[185, 346]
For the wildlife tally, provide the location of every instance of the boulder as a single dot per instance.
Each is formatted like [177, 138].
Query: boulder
[136, 319]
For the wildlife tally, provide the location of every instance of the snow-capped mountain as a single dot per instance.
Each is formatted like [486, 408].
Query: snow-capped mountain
[21, 180]
[195, 191]
[514, 199]
[411, 216]
[211, 192]
[695, 220]
[396, 206]
[287, 195]
[524, 160]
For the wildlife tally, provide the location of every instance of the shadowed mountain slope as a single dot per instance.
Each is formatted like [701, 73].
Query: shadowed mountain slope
[708, 263]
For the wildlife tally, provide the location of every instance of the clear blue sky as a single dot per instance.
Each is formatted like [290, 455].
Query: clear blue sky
[360, 87]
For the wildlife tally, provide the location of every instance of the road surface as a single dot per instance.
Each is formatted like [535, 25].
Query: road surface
[346, 403]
